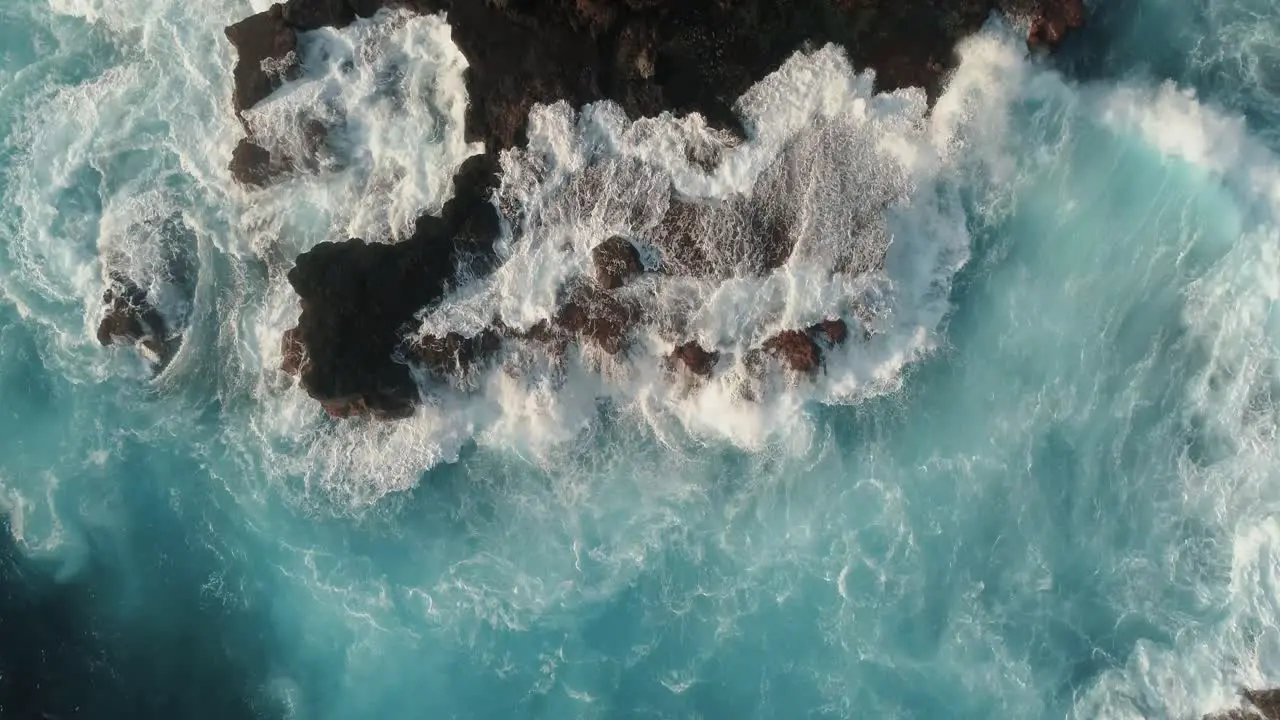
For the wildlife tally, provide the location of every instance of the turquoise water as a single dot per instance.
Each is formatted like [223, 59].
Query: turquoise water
[1053, 497]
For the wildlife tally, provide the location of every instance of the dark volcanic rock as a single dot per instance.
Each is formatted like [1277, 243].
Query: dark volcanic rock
[1056, 19]
[1263, 705]
[129, 318]
[649, 56]
[293, 354]
[721, 240]
[694, 359]
[455, 354]
[315, 14]
[616, 261]
[801, 350]
[797, 349]
[1266, 701]
[266, 48]
[359, 298]
[252, 164]
[833, 332]
[599, 316]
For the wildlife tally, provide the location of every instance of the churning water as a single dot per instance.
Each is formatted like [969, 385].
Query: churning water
[1044, 486]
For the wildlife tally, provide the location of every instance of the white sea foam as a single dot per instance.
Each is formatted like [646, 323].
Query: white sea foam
[1230, 314]
[390, 91]
[877, 169]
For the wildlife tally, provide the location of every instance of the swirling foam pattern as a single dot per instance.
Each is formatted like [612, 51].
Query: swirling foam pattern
[1044, 488]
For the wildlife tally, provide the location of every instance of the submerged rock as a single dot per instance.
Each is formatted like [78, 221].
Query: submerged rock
[1262, 705]
[648, 56]
[617, 261]
[694, 358]
[455, 354]
[600, 317]
[796, 349]
[130, 319]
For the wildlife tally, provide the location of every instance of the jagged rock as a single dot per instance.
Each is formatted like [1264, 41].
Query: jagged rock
[694, 358]
[455, 354]
[721, 240]
[315, 14]
[648, 56]
[1056, 19]
[1262, 705]
[359, 298]
[130, 319]
[797, 349]
[315, 143]
[833, 332]
[379, 408]
[1266, 701]
[293, 354]
[598, 316]
[617, 261]
[252, 164]
[266, 48]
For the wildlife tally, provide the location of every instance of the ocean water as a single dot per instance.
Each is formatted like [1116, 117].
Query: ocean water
[1043, 487]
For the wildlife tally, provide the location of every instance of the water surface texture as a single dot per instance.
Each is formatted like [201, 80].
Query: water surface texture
[1044, 488]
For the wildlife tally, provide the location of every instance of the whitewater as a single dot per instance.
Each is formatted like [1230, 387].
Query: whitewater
[1039, 481]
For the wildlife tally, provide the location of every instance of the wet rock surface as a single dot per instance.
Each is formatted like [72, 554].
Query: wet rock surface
[1258, 705]
[693, 358]
[796, 349]
[648, 56]
[455, 354]
[1054, 22]
[802, 351]
[129, 319]
[616, 261]
[359, 299]
[599, 317]
[266, 44]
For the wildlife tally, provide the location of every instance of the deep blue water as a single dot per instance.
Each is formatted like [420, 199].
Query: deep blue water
[1063, 507]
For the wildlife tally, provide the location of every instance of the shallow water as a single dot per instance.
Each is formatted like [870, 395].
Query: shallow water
[1043, 488]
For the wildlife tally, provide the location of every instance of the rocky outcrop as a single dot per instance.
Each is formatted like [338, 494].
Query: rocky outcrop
[252, 164]
[1054, 21]
[1260, 705]
[266, 54]
[832, 332]
[129, 319]
[293, 354]
[796, 349]
[359, 299]
[802, 350]
[454, 354]
[648, 56]
[616, 261]
[721, 240]
[598, 316]
[693, 358]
